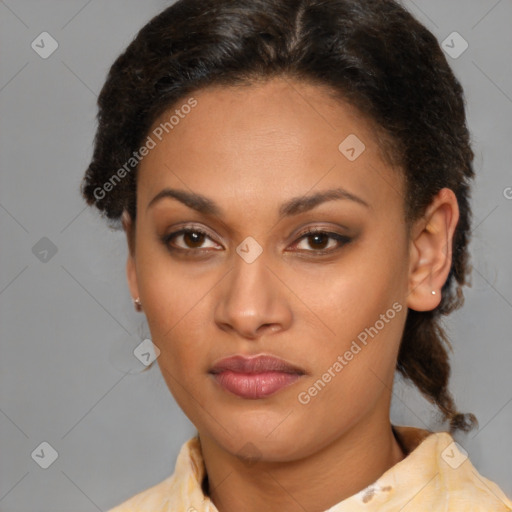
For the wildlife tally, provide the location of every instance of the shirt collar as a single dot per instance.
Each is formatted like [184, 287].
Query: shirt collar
[429, 463]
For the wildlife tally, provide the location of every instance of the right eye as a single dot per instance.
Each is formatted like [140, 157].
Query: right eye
[188, 240]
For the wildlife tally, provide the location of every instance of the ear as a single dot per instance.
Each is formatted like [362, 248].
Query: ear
[431, 251]
[131, 273]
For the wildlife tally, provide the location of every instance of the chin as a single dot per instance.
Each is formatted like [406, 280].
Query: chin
[249, 440]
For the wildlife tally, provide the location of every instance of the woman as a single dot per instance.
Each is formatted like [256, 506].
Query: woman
[293, 179]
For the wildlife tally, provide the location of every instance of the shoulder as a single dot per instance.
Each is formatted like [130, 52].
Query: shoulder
[437, 474]
[153, 499]
[466, 488]
[458, 484]
[176, 491]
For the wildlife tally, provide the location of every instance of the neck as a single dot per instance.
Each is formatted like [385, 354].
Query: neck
[315, 483]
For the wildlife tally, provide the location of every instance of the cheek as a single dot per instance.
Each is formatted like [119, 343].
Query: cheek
[359, 303]
[168, 287]
[350, 294]
[172, 298]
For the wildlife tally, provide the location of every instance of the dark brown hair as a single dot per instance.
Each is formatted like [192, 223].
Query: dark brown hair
[373, 53]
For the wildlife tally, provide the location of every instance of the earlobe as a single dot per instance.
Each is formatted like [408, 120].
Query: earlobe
[131, 273]
[431, 251]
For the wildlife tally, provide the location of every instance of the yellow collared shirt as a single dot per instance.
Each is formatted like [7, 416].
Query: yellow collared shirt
[434, 476]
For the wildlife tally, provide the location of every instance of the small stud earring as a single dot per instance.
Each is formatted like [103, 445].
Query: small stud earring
[137, 303]
[433, 292]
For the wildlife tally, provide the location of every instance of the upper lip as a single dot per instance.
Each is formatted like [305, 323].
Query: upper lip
[255, 364]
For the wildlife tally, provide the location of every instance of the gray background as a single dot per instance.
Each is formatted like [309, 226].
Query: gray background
[67, 325]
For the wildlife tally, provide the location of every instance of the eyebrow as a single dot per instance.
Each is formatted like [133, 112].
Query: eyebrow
[294, 206]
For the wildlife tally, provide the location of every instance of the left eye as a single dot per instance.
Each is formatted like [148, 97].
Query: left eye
[321, 241]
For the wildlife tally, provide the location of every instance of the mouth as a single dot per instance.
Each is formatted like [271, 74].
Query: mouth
[255, 377]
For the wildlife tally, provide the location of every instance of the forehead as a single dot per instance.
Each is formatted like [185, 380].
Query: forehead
[266, 141]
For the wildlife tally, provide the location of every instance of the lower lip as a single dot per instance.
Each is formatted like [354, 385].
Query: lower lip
[255, 385]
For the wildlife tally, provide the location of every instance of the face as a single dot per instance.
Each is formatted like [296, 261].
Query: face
[247, 279]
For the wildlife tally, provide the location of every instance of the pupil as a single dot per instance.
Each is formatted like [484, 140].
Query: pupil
[318, 239]
[194, 238]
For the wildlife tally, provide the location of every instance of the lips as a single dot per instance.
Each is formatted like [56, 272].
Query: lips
[257, 364]
[255, 377]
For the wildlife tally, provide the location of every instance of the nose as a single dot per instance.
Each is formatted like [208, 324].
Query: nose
[253, 301]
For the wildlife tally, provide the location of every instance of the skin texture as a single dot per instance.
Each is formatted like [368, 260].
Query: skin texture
[250, 149]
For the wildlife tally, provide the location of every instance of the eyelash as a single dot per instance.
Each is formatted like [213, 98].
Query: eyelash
[341, 239]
